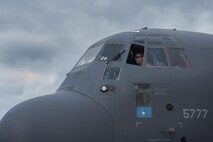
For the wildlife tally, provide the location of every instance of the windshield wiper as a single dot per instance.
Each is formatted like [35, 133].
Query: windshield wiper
[116, 57]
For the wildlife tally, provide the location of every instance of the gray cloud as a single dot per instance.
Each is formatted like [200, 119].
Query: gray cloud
[16, 54]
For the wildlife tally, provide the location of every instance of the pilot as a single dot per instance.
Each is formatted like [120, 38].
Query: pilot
[139, 59]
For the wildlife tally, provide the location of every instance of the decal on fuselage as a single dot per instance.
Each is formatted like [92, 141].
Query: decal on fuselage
[144, 112]
[143, 101]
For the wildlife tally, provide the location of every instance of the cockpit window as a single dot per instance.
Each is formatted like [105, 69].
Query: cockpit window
[156, 57]
[111, 73]
[157, 51]
[109, 51]
[178, 58]
[136, 55]
[154, 40]
[90, 55]
[140, 39]
[170, 41]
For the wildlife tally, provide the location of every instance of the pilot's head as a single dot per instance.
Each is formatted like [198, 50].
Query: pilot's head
[139, 59]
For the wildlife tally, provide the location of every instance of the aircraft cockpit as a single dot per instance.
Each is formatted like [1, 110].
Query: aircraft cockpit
[158, 51]
[115, 59]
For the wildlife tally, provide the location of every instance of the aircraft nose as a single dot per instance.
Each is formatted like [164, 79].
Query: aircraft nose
[57, 118]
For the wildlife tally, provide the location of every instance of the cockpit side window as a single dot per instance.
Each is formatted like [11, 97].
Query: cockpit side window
[136, 55]
[156, 57]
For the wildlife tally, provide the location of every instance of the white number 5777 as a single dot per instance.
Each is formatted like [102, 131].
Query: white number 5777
[195, 113]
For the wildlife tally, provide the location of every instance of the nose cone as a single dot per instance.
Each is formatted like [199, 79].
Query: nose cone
[57, 118]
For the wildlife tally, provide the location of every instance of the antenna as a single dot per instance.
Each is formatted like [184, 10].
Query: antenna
[144, 28]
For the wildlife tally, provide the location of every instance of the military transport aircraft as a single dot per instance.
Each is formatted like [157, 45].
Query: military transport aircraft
[148, 85]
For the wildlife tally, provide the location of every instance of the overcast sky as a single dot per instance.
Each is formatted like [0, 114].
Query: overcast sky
[41, 40]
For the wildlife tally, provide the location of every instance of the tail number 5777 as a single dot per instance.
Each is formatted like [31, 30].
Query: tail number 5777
[195, 113]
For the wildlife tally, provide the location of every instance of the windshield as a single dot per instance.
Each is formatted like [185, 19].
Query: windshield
[111, 50]
[90, 55]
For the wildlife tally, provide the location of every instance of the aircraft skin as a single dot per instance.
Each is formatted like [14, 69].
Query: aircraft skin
[108, 98]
